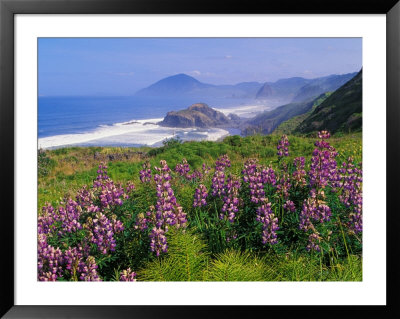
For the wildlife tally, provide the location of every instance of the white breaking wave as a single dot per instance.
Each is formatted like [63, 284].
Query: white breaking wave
[134, 132]
[246, 111]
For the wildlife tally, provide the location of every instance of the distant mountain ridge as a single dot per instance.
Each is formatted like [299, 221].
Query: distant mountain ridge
[184, 84]
[277, 93]
[298, 89]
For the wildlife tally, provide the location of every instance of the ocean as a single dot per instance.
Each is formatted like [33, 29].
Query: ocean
[125, 121]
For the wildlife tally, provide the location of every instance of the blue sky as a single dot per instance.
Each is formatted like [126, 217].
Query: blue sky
[121, 66]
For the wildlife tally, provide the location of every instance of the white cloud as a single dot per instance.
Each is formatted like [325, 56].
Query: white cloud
[195, 72]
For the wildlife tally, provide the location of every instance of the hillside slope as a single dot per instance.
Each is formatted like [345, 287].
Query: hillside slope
[342, 111]
[289, 126]
[267, 122]
[298, 89]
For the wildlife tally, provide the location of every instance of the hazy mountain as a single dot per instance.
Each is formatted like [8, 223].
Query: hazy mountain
[172, 85]
[273, 94]
[322, 85]
[341, 111]
[186, 85]
[298, 89]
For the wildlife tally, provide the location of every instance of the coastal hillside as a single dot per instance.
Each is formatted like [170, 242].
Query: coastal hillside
[289, 126]
[265, 123]
[298, 89]
[342, 111]
[197, 115]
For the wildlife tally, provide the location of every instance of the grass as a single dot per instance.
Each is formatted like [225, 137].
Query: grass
[191, 257]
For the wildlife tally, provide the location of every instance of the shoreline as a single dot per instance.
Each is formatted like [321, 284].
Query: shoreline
[147, 131]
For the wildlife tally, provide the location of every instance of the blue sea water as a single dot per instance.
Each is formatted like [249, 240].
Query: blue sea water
[113, 120]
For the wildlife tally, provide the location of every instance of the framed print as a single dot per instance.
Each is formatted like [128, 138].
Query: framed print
[185, 159]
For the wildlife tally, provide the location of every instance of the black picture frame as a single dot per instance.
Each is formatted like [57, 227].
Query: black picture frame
[8, 8]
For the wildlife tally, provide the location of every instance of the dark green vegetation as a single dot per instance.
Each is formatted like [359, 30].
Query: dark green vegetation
[342, 111]
[289, 126]
[202, 253]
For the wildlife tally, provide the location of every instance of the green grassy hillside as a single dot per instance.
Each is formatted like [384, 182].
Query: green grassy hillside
[289, 126]
[267, 122]
[342, 111]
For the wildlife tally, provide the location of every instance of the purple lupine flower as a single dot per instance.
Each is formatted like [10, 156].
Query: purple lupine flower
[222, 162]
[129, 187]
[158, 241]
[102, 233]
[349, 181]
[268, 176]
[289, 206]
[313, 242]
[110, 194]
[323, 172]
[195, 175]
[283, 147]
[101, 175]
[269, 223]
[253, 175]
[323, 164]
[69, 217]
[200, 196]
[313, 209]
[218, 182]
[284, 185]
[206, 169]
[50, 260]
[145, 173]
[141, 222]
[88, 270]
[85, 197]
[127, 275]
[72, 258]
[232, 235]
[299, 174]
[167, 211]
[230, 199]
[47, 219]
[182, 168]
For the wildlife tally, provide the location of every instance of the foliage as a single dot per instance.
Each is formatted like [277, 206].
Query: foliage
[339, 112]
[205, 211]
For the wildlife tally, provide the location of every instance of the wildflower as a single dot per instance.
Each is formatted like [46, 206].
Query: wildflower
[283, 147]
[145, 173]
[230, 199]
[182, 168]
[200, 196]
[289, 206]
[127, 275]
[269, 223]
[299, 173]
